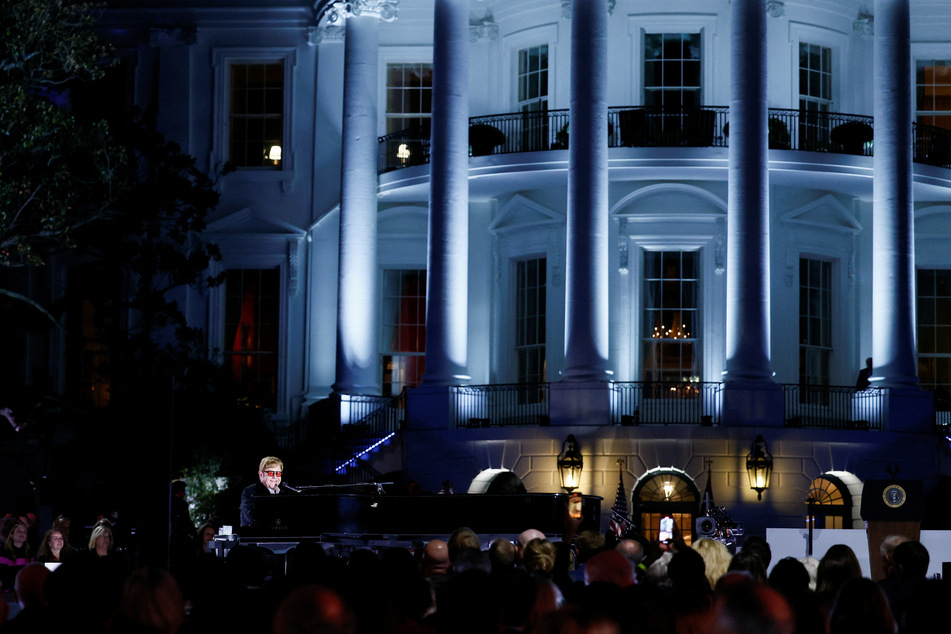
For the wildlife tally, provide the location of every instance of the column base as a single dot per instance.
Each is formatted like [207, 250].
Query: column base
[580, 403]
[752, 405]
[909, 409]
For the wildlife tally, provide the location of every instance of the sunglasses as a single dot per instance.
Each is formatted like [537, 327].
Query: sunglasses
[273, 474]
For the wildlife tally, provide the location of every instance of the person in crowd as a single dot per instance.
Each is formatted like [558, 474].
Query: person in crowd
[539, 557]
[16, 548]
[886, 549]
[151, 602]
[53, 548]
[435, 559]
[861, 608]
[62, 523]
[501, 554]
[523, 538]
[204, 537]
[461, 539]
[101, 541]
[910, 560]
[749, 561]
[760, 547]
[716, 558]
[747, 606]
[611, 567]
[270, 478]
[633, 551]
[837, 566]
[313, 608]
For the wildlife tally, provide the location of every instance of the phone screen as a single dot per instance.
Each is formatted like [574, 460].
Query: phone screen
[574, 506]
[666, 529]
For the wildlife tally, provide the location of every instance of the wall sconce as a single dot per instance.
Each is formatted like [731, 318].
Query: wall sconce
[668, 490]
[759, 466]
[570, 464]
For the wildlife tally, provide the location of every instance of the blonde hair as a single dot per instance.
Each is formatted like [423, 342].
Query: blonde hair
[102, 527]
[268, 461]
[539, 556]
[716, 557]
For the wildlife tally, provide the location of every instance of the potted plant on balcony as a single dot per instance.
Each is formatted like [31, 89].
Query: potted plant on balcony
[484, 138]
[776, 131]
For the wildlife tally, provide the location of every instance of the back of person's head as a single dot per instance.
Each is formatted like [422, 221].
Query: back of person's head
[435, 558]
[716, 558]
[927, 608]
[687, 571]
[468, 604]
[501, 554]
[789, 577]
[472, 559]
[812, 567]
[889, 544]
[748, 561]
[588, 542]
[861, 608]
[574, 619]
[152, 599]
[837, 566]
[746, 606]
[524, 537]
[657, 571]
[759, 546]
[911, 559]
[313, 609]
[632, 550]
[539, 556]
[29, 585]
[248, 565]
[460, 539]
[609, 566]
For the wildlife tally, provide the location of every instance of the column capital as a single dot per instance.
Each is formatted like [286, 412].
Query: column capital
[485, 28]
[864, 24]
[385, 10]
[318, 34]
[566, 8]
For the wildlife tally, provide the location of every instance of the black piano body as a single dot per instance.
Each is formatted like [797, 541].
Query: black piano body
[314, 514]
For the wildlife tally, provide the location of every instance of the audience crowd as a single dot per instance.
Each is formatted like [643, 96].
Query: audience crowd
[586, 582]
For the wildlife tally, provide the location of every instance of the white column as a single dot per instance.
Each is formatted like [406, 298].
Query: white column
[586, 275]
[448, 265]
[893, 246]
[357, 293]
[748, 327]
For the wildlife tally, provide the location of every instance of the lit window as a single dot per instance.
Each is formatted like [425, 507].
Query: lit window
[933, 94]
[831, 508]
[815, 322]
[672, 71]
[409, 97]
[404, 329]
[256, 114]
[815, 95]
[530, 298]
[934, 333]
[666, 494]
[671, 329]
[252, 310]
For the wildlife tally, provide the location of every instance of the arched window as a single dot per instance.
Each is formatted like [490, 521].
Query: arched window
[661, 493]
[833, 502]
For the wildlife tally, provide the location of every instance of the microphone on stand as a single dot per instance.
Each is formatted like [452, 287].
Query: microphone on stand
[290, 488]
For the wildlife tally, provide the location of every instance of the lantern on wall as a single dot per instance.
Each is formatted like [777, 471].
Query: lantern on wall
[570, 464]
[759, 466]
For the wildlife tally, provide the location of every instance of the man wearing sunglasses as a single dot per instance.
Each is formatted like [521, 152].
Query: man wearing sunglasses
[270, 472]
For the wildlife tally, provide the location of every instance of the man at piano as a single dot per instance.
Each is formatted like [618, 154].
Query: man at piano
[270, 472]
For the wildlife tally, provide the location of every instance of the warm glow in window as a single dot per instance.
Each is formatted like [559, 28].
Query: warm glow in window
[404, 329]
[670, 338]
[256, 114]
[933, 92]
[252, 309]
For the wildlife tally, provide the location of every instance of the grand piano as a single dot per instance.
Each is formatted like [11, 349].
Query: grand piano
[318, 514]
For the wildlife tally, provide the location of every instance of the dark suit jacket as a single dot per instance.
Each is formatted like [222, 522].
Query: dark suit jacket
[247, 501]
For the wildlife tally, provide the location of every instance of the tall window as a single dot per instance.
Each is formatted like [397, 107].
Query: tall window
[256, 114]
[252, 311]
[409, 97]
[832, 509]
[933, 94]
[815, 95]
[533, 96]
[815, 321]
[672, 71]
[530, 298]
[671, 331]
[934, 333]
[404, 329]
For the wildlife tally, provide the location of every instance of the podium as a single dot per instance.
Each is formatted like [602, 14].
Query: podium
[890, 507]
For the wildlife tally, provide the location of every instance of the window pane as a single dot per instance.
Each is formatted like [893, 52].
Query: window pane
[256, 120]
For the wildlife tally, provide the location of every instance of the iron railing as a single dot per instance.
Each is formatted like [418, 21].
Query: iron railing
[665, 403]
[499, 405]
[372, 415]
[643, 126]
[833, 407]
[942, 413]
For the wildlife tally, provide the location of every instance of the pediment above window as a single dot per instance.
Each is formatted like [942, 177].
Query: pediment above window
[521, 213]
[825, 213]
[249, 221]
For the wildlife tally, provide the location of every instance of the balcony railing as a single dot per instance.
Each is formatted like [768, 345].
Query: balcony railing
[675, 403]
[499, 405]
[642, 126]
[833, 407]
[372, 415]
